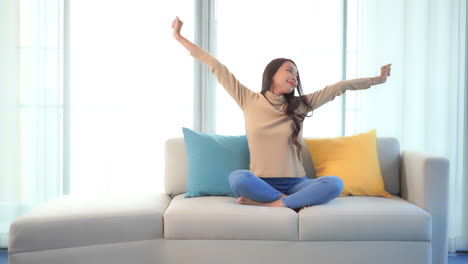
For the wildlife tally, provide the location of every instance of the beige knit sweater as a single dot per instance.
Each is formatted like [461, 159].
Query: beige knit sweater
[268, 129]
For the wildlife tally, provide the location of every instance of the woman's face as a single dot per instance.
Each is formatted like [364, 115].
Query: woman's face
[285, 79]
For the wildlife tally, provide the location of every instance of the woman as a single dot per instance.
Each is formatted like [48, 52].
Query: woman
[273, 120]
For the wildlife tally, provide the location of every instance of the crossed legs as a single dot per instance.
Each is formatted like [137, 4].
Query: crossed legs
[252, 190]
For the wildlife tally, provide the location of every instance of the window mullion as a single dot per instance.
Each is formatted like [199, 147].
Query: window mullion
[344, 63]
[204, 82]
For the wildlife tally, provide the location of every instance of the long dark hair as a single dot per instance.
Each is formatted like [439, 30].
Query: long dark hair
[292, 101]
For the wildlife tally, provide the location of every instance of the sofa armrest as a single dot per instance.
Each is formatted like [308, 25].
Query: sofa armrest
[425, 182]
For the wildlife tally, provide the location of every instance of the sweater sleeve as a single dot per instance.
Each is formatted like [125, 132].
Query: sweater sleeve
[241, 94]
[327, 94]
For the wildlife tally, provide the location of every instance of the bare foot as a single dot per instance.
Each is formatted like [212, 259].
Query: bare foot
[247, 201]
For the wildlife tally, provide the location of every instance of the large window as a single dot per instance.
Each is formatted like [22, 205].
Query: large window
[252, 33]
[131, 87]
[30, 106]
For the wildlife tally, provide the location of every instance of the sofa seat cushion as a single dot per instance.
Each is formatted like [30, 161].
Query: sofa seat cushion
[72, 221]
[217, 217]
[363, 218]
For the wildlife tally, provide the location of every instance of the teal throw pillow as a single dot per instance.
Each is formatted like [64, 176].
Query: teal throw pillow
[211, 158]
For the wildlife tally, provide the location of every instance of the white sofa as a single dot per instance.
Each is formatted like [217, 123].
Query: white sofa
[410, 227]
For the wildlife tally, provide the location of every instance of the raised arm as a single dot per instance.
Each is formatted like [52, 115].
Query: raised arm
[241, 94]
[329, 93]
[177, 26]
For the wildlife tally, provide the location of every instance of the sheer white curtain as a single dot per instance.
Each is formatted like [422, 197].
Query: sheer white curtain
[423, 102]
[30, 106]
[252, 33]
[131, 87]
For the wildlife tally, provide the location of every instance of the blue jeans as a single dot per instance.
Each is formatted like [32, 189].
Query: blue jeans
[301, 191]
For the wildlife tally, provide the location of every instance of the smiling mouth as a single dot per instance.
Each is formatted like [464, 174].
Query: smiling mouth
[292, 84]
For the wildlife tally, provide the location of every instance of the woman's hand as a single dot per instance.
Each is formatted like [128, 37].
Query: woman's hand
[384, 73]
[176, 26]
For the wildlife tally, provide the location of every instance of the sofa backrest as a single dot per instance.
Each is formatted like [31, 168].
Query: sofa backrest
[175, 178]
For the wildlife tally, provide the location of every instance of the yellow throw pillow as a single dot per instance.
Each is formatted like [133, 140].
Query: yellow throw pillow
[354, 159]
